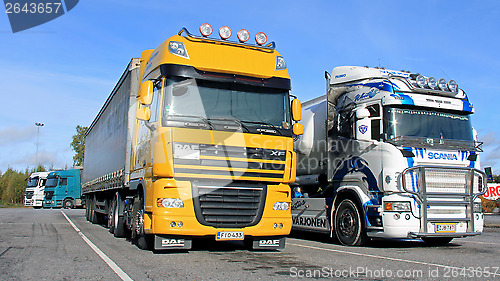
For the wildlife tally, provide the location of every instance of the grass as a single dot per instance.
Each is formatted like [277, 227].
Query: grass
[6, 204]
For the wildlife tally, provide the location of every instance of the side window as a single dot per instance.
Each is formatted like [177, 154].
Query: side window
[63, 181]
[345, 124]
[155, 102]
[376, 120]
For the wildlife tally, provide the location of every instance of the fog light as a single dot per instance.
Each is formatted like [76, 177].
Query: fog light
[431, 82]
[275, 225]
[452, 85]
[420, 81]
[280, 225]
[180, 224]
[396, 216]
[442, 84]
[172, 224]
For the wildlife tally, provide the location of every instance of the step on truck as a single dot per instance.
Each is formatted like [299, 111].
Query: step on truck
[63, 189]
[388, 154]
[33, 196]
[196, 141]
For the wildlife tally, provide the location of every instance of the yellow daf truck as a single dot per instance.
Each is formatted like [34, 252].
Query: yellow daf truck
[196, 140]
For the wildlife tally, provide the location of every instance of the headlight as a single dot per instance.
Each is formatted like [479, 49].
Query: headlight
[170, 203]
[261, 38]
[477, 208]
[243, 35]
[281, 206]
[397, 206]
[431, 82]
[280, 63]
[225, 32]
[178, 49]
[420, 81]
[442, 84]
[452, 85]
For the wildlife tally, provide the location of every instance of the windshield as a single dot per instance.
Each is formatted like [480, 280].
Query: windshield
[401, 122]
[207, 103]
[33, 182]
[51, 182]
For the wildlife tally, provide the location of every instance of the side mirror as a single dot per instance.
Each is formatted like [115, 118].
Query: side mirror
[297, 129]
[296, 110]
[146, 92]
[143, 113]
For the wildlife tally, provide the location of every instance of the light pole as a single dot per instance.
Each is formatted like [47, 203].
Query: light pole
[38, 125]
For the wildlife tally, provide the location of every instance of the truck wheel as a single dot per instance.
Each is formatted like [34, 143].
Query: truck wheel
[94, 217]
[68, 203]
[118, 221]
[437, 240]
[349, 224]
[142, 240]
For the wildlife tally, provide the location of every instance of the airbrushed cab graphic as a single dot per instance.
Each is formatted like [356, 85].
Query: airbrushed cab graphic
[388, 154]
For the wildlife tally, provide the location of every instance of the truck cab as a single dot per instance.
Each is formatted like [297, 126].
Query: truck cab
[33, 197]
[63, 189]
[400, 148]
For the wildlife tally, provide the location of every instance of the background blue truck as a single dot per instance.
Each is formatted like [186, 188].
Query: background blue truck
[63, 189]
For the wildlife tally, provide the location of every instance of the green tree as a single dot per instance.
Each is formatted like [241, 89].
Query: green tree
[78, 145]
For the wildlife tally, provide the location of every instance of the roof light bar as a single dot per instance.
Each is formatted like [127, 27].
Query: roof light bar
[206, 29]
[225, 32]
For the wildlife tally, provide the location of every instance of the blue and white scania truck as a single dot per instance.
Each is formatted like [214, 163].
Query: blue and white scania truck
[388, 154]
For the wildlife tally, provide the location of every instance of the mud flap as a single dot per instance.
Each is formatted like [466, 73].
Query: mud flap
[168, 242]
[268, 243]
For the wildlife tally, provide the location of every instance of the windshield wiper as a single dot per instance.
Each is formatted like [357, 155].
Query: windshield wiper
[232, 120]
[205, 120]
[275, 130]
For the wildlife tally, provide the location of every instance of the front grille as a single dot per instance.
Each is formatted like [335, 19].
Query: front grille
[444, 194]
[49, 194]
[232, 206]
[228, 162]
[29, 194]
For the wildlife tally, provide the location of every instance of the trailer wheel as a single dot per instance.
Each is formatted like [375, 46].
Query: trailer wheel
[436, 241]
[349, 225]
[142, 240]
[111, 216]
[68, 203]
[94, 216]
[87, 210]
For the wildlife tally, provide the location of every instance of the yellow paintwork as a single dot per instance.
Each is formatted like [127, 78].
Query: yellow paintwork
[210, 55]
[152, 151]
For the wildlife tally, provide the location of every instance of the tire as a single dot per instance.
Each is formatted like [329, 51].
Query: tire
[68, 204]
[94, 216]
[141, 239]
[436, 241]
[87, 211]
[111, 216]
[349, 226]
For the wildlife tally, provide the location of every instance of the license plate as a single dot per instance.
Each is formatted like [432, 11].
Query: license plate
[445, 227]
[229, 235]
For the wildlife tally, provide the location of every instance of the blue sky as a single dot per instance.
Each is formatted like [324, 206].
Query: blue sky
[60, 73]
